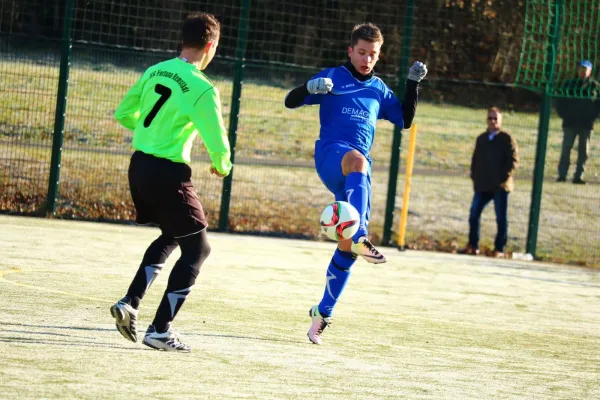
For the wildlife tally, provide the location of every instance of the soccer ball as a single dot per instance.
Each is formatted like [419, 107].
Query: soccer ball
[339, 220]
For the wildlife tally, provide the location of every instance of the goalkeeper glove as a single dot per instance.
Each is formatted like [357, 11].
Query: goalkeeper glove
[319, 85]
[417, 72]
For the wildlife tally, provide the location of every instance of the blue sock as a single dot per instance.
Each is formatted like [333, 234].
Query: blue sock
[357, 194]
[337, 276]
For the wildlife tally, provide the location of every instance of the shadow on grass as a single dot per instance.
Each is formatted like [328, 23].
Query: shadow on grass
[78, 328]
[247, 338]
[24, 332]
[60, 342]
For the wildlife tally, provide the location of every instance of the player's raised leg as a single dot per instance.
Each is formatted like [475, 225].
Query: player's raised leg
[358, 192]
[125, 311]
[194, 251]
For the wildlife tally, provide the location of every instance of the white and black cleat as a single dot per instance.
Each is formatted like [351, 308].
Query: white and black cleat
[125, 319]
[366, 250]
[168, 341]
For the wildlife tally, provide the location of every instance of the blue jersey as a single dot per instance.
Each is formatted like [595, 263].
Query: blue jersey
[349, 113]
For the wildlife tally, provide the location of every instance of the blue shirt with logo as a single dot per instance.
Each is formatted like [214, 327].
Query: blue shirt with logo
[349, 113]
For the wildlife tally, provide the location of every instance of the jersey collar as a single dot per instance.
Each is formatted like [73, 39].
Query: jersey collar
[348, 65]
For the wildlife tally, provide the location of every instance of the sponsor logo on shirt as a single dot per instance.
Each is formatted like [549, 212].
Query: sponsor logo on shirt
[356, 113]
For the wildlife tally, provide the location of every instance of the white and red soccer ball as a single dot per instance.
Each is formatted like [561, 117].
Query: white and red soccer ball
[339, 220]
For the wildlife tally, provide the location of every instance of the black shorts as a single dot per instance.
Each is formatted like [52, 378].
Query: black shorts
[163, 194]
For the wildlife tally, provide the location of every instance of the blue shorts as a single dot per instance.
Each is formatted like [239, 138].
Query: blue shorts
[328, 162]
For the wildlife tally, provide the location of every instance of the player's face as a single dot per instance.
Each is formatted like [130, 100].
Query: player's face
[585, 72]
[364, 55]
[494, 121]
[210, 54]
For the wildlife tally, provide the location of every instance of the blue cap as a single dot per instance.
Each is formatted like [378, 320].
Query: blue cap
[586, 63]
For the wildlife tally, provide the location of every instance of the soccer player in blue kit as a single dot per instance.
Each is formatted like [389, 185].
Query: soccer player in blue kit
[351, 101]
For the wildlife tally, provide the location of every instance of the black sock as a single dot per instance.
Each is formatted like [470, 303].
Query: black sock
[194, 250]
[152, 263]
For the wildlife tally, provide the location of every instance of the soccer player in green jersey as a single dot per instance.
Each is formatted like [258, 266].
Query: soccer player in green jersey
[167, 107]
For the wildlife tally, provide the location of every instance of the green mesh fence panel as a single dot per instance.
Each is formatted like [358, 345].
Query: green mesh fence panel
[113, 44]
[578, 39]
[29, 78]
[566, 231]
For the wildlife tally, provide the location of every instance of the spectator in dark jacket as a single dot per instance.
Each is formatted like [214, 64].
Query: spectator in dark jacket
[578, 112]
[493, 164]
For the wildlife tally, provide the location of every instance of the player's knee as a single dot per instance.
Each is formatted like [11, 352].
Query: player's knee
[345, 245]
[195, 250]
[353, 161]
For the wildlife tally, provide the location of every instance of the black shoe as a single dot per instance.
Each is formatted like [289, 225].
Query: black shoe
[578, 181]
[561, 179]
[125, 318]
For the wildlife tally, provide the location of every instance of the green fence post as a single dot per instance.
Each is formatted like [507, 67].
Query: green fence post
[238, 77]
[397, 138]
[544, 122]
[61, 108]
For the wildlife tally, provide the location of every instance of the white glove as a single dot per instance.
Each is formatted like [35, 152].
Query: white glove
[417, 72]
[319, 85]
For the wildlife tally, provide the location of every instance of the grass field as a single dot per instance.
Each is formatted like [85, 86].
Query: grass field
[424, 325]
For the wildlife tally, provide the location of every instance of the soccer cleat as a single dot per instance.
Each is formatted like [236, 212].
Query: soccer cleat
[319, 323]
[125, 318]
[366, 250]
[168, 341]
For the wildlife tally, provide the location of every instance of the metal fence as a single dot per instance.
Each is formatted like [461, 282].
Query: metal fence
[266, 48]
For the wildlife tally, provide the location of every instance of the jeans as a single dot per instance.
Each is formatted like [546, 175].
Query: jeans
[582, 151]
[480, 200]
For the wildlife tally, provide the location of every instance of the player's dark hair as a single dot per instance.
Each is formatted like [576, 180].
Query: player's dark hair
[199, 29]
[368, 32]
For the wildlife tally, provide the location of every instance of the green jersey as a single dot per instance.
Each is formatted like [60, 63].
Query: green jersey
[168, 106]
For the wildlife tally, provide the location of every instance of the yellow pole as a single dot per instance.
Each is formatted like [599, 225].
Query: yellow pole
[409, 170]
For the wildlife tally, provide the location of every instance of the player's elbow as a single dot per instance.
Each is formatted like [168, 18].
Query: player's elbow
[290, 103]
[407, 121]
[126, 122]
[122, 120]
[127, 119]
[120, 116]
[295, 98]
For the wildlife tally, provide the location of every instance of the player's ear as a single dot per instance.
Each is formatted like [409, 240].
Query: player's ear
[349, 51]
[209, 46]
